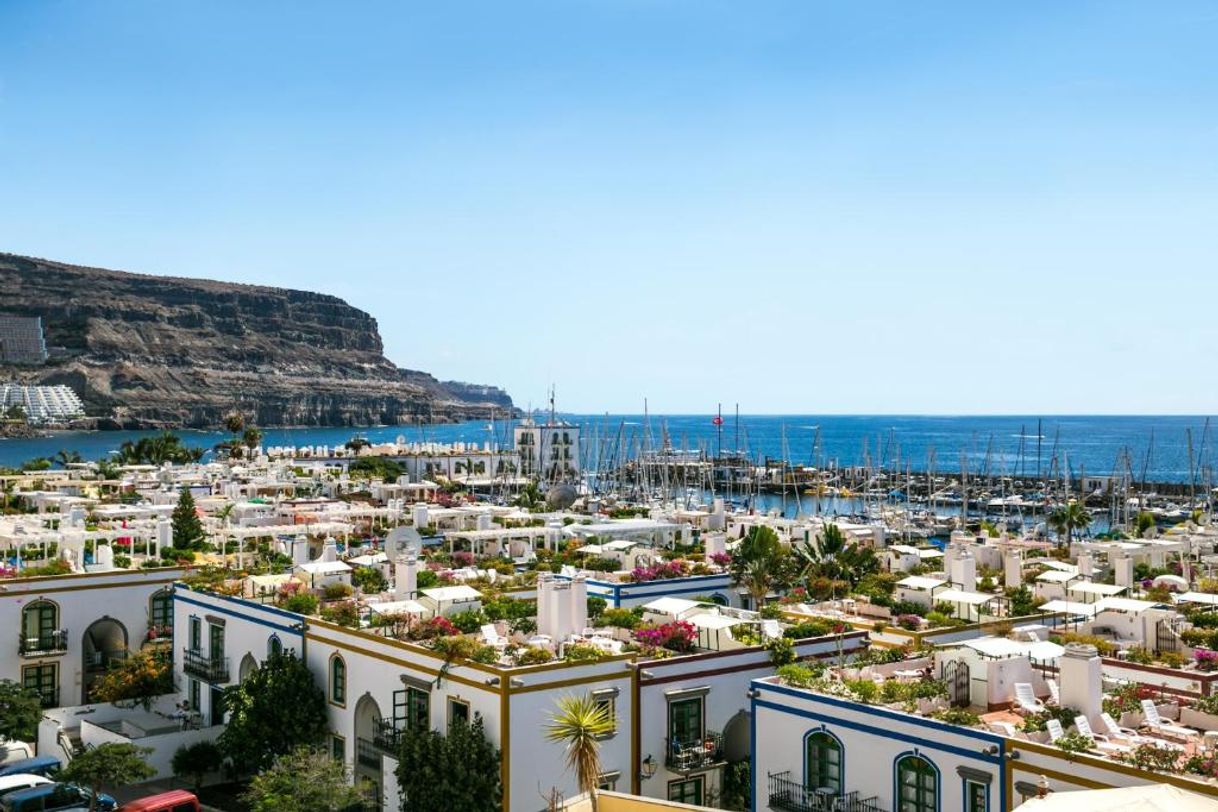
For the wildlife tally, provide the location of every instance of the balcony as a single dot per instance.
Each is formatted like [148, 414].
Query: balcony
[368, 754]
[791, 796]
[208, 669]
[43, 645]
[686, 757]
[387, 737]
[99, 661]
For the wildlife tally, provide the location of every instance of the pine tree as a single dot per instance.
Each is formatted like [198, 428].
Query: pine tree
[187, 529]
[445, 773]
[273, 711]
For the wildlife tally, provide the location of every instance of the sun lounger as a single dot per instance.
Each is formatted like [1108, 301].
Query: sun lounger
[1102, 742]
[1025, 700]
[1056, 731]
[1157, 724]
[1114, 731]
[1055, 694]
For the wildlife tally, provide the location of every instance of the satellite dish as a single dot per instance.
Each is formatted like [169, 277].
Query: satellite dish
[400, 539]
[561, 497]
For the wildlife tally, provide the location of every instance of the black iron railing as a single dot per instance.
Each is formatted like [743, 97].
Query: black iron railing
[791, 796]
[368, 754]
[42, 644]
[695, 755]
[387, 737]
[206, 668]
[96, 661]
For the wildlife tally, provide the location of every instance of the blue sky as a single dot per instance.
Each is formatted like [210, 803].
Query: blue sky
[881, 207]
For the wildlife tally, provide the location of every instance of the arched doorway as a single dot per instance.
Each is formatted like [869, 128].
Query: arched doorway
[103, 645]
[367, 752]
[248, 666]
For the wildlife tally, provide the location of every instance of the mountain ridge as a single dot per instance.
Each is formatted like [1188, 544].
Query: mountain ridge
[147, 350]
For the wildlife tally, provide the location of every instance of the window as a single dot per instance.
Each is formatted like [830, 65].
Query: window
[160, 609]
[338, 747]
[976, 796]
[274, 646]
[685, 721]
[215, 641]
[823, 763]
[44, 681]
[688, 791]
[39, 623]
[196, 634]
[196, 696]
[607, 699]
[418, 709]
[608, 781]
[917, 785]
[458, 712]
[338, 680]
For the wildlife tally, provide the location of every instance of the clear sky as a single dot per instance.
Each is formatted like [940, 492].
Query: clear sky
[798, 206]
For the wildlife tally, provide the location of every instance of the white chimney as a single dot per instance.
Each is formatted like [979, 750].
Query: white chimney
[405, 577]
[484, 521]
[103, 556]
[545, 606]
[718, 517]
[1081, 678]
[964, 570]
[300, 550]
[1122, 567]
[163, 537]
[420, 516]
[577, 604]
[949, 559]
[1012, 568]
[329, 550]
[715, 544]
[1086, 564]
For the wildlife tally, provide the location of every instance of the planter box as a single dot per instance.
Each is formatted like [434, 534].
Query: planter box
[1197, 719]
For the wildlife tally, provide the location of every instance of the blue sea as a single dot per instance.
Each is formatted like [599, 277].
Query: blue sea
[995, 444]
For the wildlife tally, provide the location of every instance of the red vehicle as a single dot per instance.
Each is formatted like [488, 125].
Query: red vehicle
[178, 800]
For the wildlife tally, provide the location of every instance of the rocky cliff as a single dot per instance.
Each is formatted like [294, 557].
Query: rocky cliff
[163, 351]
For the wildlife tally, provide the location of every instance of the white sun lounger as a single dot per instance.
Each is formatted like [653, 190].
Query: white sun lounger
[1156, 723]
[1102, 742]
[1026, 700]
[1113, 731]
[1055, 694]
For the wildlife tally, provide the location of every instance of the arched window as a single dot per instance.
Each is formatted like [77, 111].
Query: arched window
[274, 646]
[823, 762]
[40, 628]
[338, 680]
[917, 785]
[160, 611]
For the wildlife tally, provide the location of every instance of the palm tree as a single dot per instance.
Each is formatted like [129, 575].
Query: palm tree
[234, 422]
[831, 557]
[1065, 519]
[758, 562]
[580, 723]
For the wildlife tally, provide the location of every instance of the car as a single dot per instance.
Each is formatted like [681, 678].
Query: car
[54, 796]
[177, 800]
[38, 765]
[13, 750]
[12, 783]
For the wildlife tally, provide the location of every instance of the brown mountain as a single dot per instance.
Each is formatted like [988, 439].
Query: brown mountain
[164, 351]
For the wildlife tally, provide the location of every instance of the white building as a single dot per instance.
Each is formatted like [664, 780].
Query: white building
[548, 451]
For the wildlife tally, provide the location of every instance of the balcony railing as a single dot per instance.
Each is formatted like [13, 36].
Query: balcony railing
[97, 661]
[791, 796]
[695, 755]
[40, 645]
[49, 697]
[208, 669]
[368, 754]
[387, 737]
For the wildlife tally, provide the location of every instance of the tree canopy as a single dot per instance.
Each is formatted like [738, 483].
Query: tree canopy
[759, 562]
[306, 778]
[445, 773]
[108, 765]
[20, 711]
[187, 527]
[276, 709]
[157, 450]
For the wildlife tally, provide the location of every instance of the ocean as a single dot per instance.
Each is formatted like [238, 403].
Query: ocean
[1158, 445]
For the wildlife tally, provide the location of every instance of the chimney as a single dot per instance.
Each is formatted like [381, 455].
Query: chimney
[1122, 566]
[1012, 568]
[1081, 681]
[964, 570]
[577, 604]
[715, 544]
[484, 521]
[300, 550]
[103, 556]
[718, 517]
[420, 516]
[405, 577]
[950, 552]
[1086, 564]
[329, 550]
[163, 537]
[545, 606]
